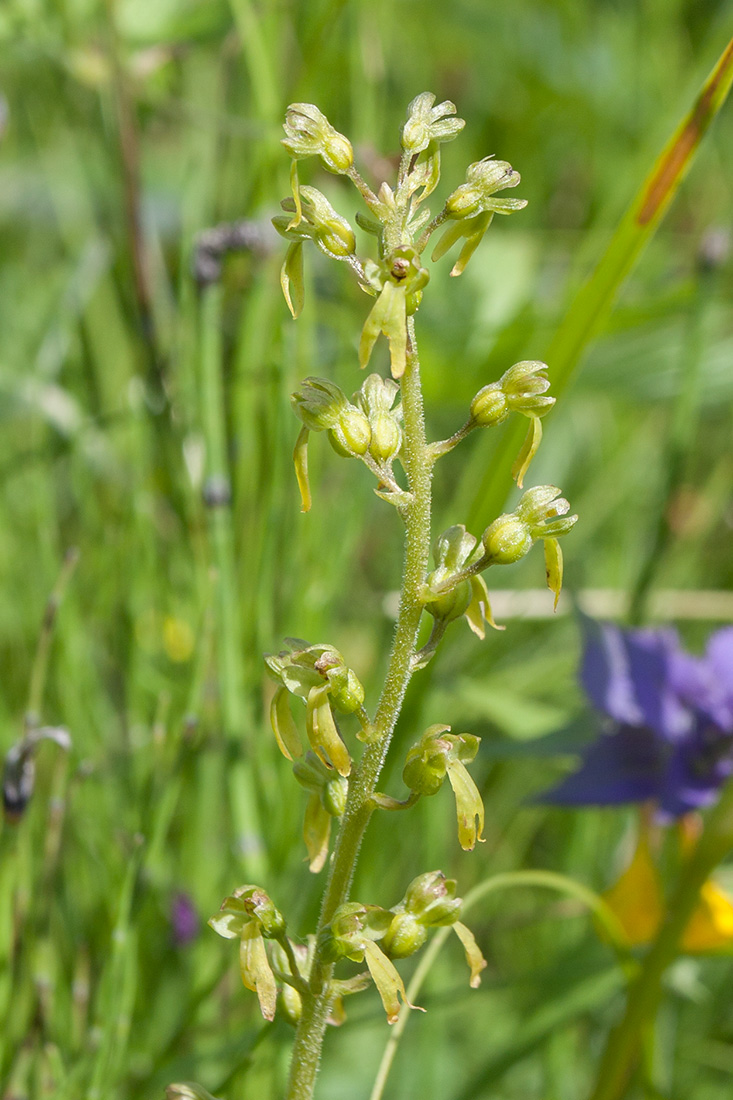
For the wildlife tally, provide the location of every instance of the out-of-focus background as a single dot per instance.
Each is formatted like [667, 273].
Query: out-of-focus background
[127, 128]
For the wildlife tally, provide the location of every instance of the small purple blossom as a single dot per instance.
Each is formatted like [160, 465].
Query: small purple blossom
[670, 734]
[184, 919]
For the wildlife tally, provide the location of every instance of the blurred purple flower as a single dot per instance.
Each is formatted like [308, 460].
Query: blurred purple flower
[670, 738]
[184, 919]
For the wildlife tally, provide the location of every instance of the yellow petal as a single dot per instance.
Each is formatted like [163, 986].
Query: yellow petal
[711, 925]
[474, 958]
[528, 450]
[254, 966]
[283, 726]
[300, 458]
[387, 980]
[316, 833]
[636, 898]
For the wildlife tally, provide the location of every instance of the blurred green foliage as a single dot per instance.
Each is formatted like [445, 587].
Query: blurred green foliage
[127, 129]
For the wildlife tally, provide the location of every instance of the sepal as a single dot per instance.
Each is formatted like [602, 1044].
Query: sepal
[528, 450]
[474, 958]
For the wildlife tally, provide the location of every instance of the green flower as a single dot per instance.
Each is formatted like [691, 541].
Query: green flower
[472, 207]
[439, 753]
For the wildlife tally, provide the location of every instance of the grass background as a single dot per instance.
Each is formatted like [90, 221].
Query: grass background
[128, 128]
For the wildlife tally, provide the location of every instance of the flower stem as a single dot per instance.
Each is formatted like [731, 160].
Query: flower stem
[623, 1049]
[363, 781]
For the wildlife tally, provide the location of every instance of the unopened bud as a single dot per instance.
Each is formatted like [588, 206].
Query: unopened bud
[347, 691]
[386, 437]
[489, 407]
[507, 540]
[431, 900]
[351, 435]
[404, 936]
[450, 605]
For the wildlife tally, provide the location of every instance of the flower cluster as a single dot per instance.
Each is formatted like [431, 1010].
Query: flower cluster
[367, 933]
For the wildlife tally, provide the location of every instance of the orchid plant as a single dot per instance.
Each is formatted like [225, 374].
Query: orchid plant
[324, 726]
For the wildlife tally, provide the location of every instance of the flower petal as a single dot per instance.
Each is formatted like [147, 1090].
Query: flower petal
[625, 766]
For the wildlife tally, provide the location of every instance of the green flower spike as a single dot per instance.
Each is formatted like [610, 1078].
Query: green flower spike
[454, 550]
[399, 282]
[439, 753]
[472, 207]
[540, 514]
[328, 791]
[309, 133]
[250, 916]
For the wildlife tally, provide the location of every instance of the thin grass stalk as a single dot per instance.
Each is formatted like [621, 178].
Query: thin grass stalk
[230, 654]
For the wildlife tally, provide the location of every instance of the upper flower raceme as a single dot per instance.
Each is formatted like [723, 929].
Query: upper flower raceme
[671, 733]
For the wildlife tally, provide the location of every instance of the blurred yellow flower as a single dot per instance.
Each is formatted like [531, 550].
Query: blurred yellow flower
[637, 900]
[178, 639]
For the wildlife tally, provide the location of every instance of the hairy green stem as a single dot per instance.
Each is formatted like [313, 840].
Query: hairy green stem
[363, 781]
[624, 1047]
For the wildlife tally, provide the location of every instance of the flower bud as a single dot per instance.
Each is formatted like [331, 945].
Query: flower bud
[351, 435]
[507, 540]
[347, 691]
[450, 605]
[404, 936]
[376, 399]
[298, 668]
[524, 385]
[334, 795]
[261, 908]
[490, 406]
[315, 219]
[386, 437]
[308, 133]
[520, 389]
[427, 761]
[351, 926]
[431, 900]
